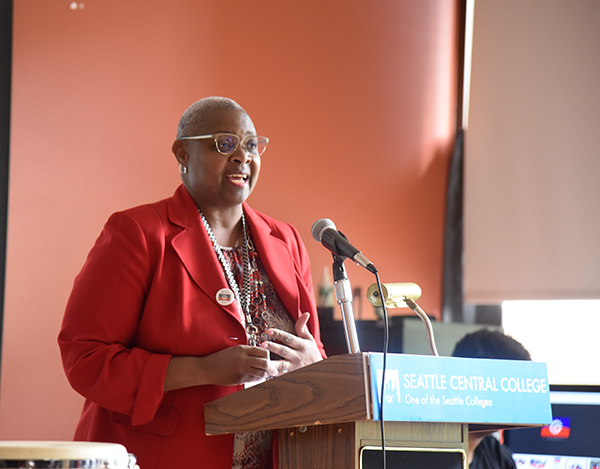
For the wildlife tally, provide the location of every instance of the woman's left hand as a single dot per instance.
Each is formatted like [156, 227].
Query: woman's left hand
[296, 351]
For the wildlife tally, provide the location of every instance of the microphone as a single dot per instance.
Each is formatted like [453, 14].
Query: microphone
[324, 232]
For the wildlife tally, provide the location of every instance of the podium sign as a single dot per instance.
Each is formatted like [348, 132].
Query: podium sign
[446, 389]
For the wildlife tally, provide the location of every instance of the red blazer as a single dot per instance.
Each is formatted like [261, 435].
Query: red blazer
[146, 293]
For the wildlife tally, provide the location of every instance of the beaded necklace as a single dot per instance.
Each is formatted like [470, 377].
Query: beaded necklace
[246, 304]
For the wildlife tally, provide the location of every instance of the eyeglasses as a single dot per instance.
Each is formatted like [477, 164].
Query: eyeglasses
[228, 143]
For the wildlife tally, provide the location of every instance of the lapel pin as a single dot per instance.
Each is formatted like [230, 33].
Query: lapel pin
[224, 297]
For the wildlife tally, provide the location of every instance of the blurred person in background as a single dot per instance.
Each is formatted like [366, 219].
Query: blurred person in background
[486, 450]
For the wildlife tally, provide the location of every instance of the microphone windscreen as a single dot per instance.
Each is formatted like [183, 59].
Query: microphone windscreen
[319, 226]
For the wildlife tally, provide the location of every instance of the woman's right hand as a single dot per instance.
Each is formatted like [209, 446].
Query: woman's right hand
[227, 367]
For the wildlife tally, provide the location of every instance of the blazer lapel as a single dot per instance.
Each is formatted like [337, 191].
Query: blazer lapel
[195, 250]
[277, 261]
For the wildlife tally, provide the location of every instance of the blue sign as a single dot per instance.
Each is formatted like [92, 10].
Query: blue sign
[447, 389]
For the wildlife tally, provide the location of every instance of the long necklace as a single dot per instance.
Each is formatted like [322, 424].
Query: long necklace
[243, 300]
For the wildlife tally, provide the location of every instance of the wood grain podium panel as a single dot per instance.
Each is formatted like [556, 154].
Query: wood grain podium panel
[330, 391]
[321, 446]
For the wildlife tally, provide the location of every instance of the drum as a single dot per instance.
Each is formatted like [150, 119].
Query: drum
[64, 454]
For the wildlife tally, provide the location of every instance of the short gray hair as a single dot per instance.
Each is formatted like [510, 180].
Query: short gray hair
[195, 115]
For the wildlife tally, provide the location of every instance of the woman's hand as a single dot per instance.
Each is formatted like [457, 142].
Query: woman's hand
[296, 351]
[228, 367]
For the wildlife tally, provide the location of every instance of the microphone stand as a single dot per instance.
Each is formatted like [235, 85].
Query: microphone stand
[343, 294]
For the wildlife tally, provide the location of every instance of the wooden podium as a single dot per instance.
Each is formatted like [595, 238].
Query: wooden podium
[325, 420]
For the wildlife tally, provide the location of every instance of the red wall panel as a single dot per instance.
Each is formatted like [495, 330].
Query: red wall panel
[358, 98]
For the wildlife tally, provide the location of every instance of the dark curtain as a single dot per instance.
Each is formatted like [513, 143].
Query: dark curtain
[6, 20]
[452, 297]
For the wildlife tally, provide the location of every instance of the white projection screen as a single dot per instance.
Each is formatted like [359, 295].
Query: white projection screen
[532, 155]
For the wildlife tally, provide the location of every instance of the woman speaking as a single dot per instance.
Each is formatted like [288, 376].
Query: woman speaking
[188, 299]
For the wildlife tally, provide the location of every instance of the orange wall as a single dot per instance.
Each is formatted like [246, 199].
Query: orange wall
[357, 98]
